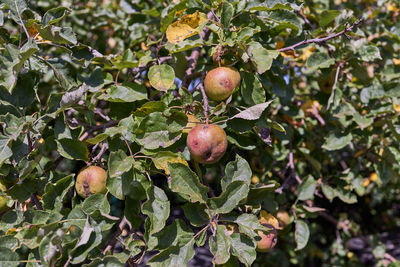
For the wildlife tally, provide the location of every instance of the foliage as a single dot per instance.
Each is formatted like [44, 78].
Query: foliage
[313, 129]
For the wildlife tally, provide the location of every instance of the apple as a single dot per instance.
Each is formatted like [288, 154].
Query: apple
[283, 218]
[91, 180]
[207, 143]
[220, 82]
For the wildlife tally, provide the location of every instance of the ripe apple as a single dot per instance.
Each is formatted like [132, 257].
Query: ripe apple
[91, 180]
[220, 82]
[207, 143]
[192, 122]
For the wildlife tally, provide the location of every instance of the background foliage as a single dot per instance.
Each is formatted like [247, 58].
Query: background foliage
[313, 131]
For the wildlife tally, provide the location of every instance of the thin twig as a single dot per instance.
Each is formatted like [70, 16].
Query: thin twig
[92, 129]
[127, 144]
[205, 100]
[98, 156]
[324, 39]
[113, 240]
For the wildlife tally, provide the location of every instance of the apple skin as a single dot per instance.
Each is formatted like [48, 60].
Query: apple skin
[220, 82]
[268, 241]
[207, 143]
[91, 180]
[283, 218]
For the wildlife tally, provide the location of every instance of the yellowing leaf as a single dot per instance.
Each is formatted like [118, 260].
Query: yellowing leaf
[185, 27]
[396, 107]
[33, 32]
[162, 159]
[396, 61]
[268, 218]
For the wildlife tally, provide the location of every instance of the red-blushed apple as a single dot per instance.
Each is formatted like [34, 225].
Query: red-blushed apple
[91, 180]
[207, 143]
[220, 82]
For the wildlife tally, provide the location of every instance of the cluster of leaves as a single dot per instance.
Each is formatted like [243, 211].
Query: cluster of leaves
[313, 130]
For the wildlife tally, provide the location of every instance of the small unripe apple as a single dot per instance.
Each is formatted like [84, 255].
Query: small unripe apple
[192, 122]
[91, 180]
[220, 82]
[283, 218]
[207, 143]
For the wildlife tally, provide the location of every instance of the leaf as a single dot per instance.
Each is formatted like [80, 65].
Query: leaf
[86, 243]
[237, 170]
[249, 224]
[107, 261]
[327, 16]
[307, 188]
[319, 60]
[334, 142]
[346, 196]
[251, 89]
[262, 57]
[185, 27]
[230, 198]
[173, 256]
[252, 113]
[302, 234]
[8, 257]
[220, 245]
[72, 97]
[196, 214]
[54, 15]
[72, 149]
[328, 191]
[369, 53]
[186, 183]
[55, 193]
[58, 35]
[175, 234]
[163, 158]
[156, 208]
[119, 163]
[161, 77]
[244, 248]
[126, 92]
[96, 202]
[5, 150]
[227, 14]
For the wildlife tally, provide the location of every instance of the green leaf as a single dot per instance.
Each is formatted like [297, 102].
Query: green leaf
[55, 193]
[334, 142]
[253, 112]
[5, 150]
[237, 170]
[346, 196]
[196, 214]
[175, 234]
[328, 191]
[96, 202]
[9, 242]
[319, 60]
[156, 208]
[244, 248]
[230, 198]
[126, 92]
[369, 53]
[173, 256]
[249, 224]
[161, 77]
[227, 14]
[107, 261]
[163, 158]
[8, 257]
[54, 15]
[118, 163]
[251, 89]
[91, 237]
[186, 183]
[72, 149]
[307, 188]
[58, 35]
[97, 139]
[327, 16]
[220, 244]
[261, 57]
[302, 234]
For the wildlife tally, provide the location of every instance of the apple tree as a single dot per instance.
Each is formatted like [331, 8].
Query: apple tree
[199, 133]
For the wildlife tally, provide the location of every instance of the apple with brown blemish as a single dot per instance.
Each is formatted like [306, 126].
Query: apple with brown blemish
[220, 82]
[91, 180]
[207, 143]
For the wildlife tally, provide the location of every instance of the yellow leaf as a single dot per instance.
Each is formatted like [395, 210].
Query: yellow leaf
[163, 158]
[268, 218]
[396, 107]
[185, 27]
[396, 61]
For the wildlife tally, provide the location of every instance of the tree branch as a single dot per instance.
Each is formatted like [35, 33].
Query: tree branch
[324, 39]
